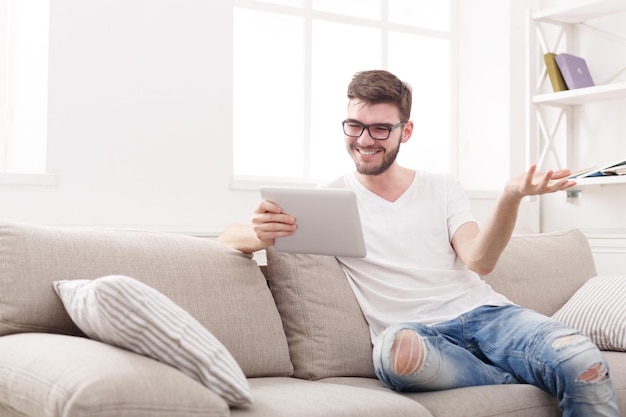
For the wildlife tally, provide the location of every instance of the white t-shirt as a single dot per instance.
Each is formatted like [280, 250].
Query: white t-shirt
[411, 272]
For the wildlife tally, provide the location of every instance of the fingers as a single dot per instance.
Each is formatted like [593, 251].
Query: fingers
[544, 184]
[267, 207]
[561, 173]
[530, 175]
[549, 181]
[269, 222]
[536, 183]
[563, 184]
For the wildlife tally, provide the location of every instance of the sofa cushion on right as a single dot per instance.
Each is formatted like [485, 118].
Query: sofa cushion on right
[327, 333]
[597, 309]
[220, 287]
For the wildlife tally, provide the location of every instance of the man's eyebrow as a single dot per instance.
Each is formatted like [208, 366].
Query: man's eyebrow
[373, 124]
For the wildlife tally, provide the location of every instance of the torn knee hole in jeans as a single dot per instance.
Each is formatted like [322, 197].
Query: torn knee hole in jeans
[571, 340]
[408, 353]
[596, 373]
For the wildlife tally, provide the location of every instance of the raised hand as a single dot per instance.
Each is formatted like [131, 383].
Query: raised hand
[537, 183]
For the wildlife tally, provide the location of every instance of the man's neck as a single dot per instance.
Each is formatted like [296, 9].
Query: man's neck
[389, 185]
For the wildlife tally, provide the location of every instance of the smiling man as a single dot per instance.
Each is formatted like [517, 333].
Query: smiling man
[434, 323]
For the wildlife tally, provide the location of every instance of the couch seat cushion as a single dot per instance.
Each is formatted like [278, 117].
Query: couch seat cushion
[486, 401]
[289, 397]
[48, 375]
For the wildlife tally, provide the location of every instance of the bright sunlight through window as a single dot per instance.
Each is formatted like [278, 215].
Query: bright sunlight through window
[293, 60]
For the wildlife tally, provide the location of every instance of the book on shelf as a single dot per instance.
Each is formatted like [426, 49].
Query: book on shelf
[574, 70]
[554, 73]
[618, 168]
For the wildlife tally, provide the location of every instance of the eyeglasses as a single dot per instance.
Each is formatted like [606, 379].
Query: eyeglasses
[377, 131]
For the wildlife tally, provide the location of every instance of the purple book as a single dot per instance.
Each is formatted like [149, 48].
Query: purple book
[574, 70]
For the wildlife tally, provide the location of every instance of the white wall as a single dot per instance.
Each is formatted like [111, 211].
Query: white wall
[140, 119]
[491, 122]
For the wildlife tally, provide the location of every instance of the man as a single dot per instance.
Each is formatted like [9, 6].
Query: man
[434, 323]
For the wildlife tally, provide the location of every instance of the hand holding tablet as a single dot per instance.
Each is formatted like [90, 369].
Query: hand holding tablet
[327, 218]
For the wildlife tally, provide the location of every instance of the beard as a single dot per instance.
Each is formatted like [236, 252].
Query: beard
[389, 157]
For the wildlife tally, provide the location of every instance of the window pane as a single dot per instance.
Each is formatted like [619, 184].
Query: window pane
[369, 9]
[425, 64]
[335, 60]
[4, 48]
[422, 13]
[28, 86]
[268, 94]
[312, 59]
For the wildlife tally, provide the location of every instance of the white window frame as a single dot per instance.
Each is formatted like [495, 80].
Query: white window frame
[9, 47]
[239, 182]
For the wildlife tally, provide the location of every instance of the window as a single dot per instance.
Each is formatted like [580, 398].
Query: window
[293, 60]
[23, 88]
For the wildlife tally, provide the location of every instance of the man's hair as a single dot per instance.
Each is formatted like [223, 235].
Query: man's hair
[379, 86]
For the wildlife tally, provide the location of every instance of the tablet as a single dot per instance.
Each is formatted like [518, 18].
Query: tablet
[327, 218]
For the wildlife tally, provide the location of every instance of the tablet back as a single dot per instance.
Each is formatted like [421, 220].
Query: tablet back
[327, 218]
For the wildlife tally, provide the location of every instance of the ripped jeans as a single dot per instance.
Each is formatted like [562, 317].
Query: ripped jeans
[499, 345]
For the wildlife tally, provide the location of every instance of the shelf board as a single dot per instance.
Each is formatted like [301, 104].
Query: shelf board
[583, 95]
[582, 12]
[607, 180]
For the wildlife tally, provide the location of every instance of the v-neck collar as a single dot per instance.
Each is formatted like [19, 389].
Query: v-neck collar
[369, 194]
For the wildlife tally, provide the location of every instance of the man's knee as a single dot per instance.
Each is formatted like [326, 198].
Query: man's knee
[408, 353]
[598, 371]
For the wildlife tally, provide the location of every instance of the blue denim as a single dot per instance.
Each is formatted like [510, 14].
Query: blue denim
[505, 345]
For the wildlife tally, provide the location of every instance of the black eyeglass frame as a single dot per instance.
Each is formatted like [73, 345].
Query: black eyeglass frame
[363, 127]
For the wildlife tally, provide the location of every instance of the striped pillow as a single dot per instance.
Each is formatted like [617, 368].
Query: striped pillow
[598, 310]
[124, 312]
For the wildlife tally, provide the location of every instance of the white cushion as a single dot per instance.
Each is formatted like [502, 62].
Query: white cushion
[124, 312]
[598, 310]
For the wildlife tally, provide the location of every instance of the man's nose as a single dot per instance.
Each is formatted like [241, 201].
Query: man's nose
[366, 138]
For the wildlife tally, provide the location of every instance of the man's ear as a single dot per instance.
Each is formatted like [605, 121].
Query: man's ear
[407, 131]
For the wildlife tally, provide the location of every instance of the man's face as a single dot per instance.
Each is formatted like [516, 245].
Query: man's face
[370, 156]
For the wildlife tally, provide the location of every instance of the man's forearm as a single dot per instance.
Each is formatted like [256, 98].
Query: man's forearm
[496, 232]
[242, 238]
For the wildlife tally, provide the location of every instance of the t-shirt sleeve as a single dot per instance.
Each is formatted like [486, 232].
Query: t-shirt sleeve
[459, 206]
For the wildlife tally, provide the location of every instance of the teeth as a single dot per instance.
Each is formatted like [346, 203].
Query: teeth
[367, 153]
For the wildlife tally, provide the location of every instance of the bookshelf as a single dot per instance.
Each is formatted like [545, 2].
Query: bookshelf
[552, 117]
[582, 95]
[615, 180]
[578, 13]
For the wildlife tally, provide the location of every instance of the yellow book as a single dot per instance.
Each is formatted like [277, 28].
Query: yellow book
[556, 78]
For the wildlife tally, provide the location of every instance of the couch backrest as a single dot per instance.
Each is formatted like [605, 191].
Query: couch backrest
[328, 335]
[542, 271]
[220, 287]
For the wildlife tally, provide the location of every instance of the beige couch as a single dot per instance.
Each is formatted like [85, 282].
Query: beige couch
[301, 341]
